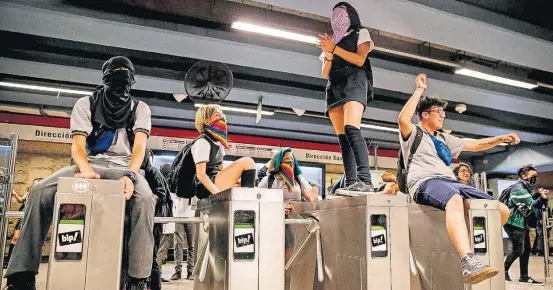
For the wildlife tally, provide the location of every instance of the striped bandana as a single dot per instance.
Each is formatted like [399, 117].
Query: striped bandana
[287, 174]
[218, 130]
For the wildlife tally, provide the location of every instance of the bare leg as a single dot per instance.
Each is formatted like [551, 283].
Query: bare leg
[228, 177]
[456, 225]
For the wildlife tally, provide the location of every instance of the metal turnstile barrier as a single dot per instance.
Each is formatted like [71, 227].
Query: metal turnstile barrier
[245, 248]
[438, 264]
[364, 242]
[87, 235]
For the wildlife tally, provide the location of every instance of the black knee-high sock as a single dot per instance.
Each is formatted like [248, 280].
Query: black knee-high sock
[348, 158]
[248, 178]
[361, 153]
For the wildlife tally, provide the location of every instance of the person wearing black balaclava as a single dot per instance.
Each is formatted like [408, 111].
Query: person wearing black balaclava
[109, 133]
[349, 89]
[520, 203]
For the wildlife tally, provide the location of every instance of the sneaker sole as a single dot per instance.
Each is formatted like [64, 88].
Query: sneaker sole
[481, 276]
[533, 284]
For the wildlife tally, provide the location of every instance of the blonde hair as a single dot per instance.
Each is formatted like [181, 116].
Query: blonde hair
[389, 177]
[204, 115]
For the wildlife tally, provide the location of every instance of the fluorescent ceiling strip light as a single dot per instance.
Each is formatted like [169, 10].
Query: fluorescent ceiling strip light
[414, 56]
[492, 78]
[274, 32]
[381, 128]
[240, 110]
[545, 85]
[472, 139]
[46, 89]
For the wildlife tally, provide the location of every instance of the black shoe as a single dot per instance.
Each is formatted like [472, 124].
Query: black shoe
[137, 283]
[176, 276]
[190, 276]
[529, 281]
[355, 189]
[507, 278]
[30, 286]
[163, 280]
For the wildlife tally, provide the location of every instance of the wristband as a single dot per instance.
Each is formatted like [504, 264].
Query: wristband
[334, 49]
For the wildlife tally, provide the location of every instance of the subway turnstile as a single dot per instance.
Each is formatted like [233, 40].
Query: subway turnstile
[87, 235]
[245, 247]
[438, 264]
[364, 241]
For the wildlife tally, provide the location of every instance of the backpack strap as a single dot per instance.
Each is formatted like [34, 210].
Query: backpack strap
[418, 138]
[271, 181]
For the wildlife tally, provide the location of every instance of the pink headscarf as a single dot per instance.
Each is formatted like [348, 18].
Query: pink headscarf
[340, 23]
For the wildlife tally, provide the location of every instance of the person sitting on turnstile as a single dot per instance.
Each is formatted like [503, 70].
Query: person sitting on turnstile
[284, 172]
[110, 130]
[205, 168]
[164, 208]
[431, 181]
[520, 202]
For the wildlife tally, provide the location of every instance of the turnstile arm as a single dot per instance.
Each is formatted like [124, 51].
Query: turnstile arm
[313, 228]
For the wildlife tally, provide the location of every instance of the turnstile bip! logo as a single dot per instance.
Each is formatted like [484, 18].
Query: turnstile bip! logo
[70, 238]
[243, 240]
[80, 186]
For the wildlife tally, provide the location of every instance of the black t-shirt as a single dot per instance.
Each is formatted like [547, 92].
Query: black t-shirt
[262, 172]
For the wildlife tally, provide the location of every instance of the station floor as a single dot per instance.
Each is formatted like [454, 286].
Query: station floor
[536, 271]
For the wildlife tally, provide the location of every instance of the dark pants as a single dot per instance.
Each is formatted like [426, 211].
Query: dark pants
[155, 277]
[520, 240]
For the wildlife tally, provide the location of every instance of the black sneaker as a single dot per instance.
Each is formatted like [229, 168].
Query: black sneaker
[507, 278]
[176, 276]
[355, 189]
[30, 286]
[474, 271]
[137, 283]
[529, 281]
[190, 276]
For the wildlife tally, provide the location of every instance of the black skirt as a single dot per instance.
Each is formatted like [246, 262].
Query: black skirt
[347, 85]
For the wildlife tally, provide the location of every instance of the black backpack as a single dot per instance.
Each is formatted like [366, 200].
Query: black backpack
[183, 171]
[506, 194]
[402, 167]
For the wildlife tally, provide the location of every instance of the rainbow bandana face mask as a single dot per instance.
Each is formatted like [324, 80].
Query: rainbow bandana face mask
[218, 130]
[286, 170]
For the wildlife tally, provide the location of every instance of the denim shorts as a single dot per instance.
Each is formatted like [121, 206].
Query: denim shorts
[436, 192]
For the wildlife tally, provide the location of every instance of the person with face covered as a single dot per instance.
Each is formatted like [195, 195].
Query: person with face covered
[521, 204]
[349, 88]
[430, 180]
[284, 173]
[109, 133]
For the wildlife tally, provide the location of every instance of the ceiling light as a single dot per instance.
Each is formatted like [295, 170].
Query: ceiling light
[274, 32]
[497, 79]
[46, 89]
[381, 128]
[240, 110]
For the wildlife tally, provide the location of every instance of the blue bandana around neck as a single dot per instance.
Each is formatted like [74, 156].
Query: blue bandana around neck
[443, 151]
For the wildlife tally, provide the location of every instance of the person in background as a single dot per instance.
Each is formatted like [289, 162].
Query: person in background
[262, 172]
[285, 173]
[182, 207]
[463, 174]
[164, 208]
[390, 184]
[538, 247]
[109, 133]
[520, 205]
[17, 232]
[350, 87]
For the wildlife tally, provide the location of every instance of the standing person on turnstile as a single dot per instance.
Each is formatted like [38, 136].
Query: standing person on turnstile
[427, 155]
[110, 130]
[519, 199]
[349, 89]
[164, 208]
